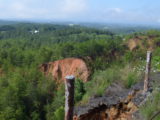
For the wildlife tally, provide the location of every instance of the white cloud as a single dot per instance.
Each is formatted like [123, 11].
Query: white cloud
[158, 20]
[74, 6]
[82, 10]
[115, 10]
[38, 9]
[125, 15]
[17, 6]
[110, 14]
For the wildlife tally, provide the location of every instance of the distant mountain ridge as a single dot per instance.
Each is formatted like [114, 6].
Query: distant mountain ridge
[5, 22]
[117, 28]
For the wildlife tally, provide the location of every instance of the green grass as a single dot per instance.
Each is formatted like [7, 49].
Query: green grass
[151, 107]
[130, 75]
[102, 79]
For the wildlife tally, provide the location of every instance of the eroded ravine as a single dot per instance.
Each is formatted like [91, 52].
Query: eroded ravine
[118, 103]
[122, 110]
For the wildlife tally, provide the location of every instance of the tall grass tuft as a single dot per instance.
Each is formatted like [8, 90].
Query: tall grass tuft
[152, 107]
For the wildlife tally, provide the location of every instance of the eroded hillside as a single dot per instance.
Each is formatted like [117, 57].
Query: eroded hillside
[117, 103]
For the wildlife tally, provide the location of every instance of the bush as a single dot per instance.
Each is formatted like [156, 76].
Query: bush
[59, 114]
[24, 95]
[128, 56]
[156, 63]
[79, 90]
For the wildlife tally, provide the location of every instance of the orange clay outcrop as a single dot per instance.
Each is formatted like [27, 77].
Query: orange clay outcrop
[70, 66]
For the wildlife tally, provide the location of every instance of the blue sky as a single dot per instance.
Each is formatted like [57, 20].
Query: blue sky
[121, 11]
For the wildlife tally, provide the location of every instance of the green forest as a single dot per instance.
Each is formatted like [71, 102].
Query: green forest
[27, 94]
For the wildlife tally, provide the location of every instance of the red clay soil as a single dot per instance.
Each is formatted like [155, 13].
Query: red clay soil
[70, 66]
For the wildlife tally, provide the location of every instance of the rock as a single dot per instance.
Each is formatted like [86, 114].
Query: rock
[114, 105]
[137, 116]
[70, 66]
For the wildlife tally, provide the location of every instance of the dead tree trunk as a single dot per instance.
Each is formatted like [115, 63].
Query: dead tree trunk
[69, 97]
[147, 71]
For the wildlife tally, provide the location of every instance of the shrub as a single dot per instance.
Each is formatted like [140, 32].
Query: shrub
[59, 114]
[156, 63]
[128, 56]
[79, 90]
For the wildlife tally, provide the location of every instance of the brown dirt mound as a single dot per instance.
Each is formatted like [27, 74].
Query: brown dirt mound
[142, 42]
[70, 66]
